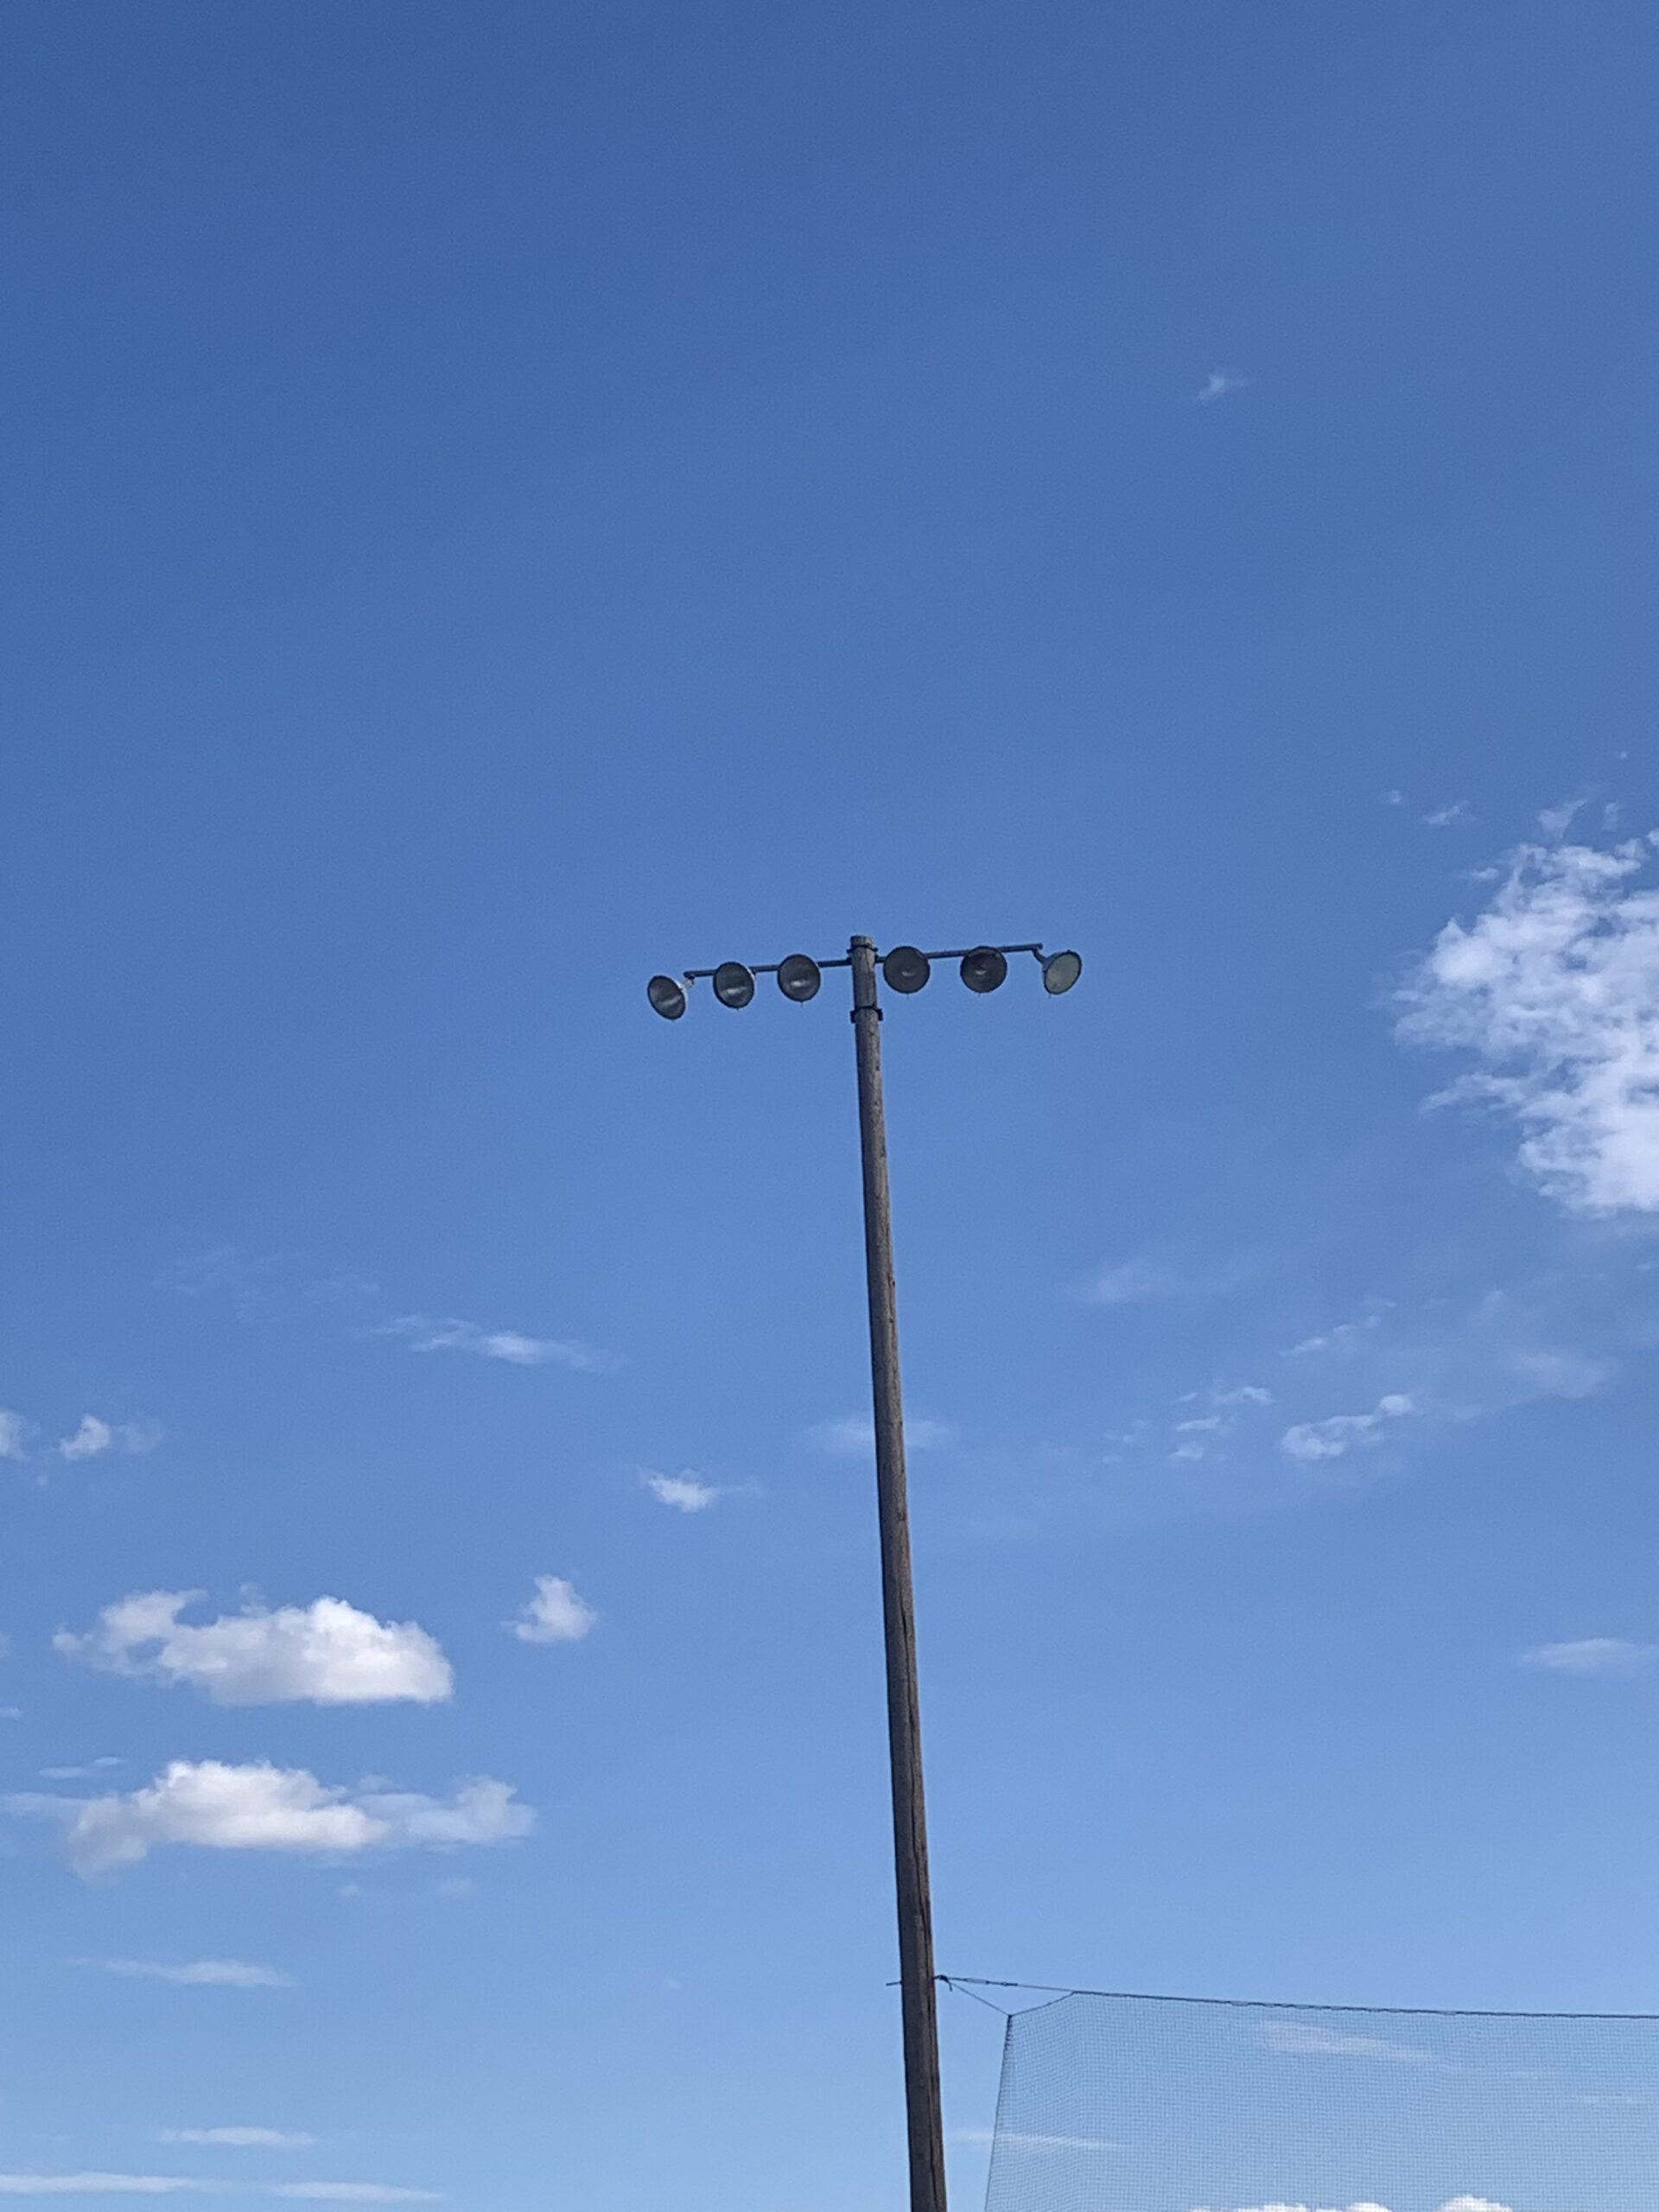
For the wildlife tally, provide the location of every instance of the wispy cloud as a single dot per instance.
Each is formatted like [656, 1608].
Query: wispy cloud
[1556, 821]
[89, 1439]
[217, 1806]
[196, 1974]
[422, 1333]
[118, 2184]
[1312, 2039]
[1343, 1336]
[1365, 2204]
[1198, 1436]
[1608, 1655]
[685, 1492]
[1131, 1282]
[853, 1436]
[1554, 990]
[1444, 817]
[1218, 384]
[95, 1436]
[554, 1614]
[355, 2192]
[1151, 1278]
[92, 1437]
[240, 2138]
[263, 1284]
[1340, 1433]
[103, 2184]
[1023, 2140]
[327, 1653]
[1553, 1334]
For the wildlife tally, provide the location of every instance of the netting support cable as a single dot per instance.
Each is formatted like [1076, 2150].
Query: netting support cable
[967, 1983]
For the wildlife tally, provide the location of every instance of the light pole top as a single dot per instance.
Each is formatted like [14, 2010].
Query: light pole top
[904, 968]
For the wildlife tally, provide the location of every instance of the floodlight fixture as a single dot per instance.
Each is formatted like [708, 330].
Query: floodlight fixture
[984, 969]
[799, 978]
[733, 984]
[906, 969]
[1060, 971]
[667, 996]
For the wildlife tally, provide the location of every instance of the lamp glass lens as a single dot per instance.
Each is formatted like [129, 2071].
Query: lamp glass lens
[984, 968]
[798, 978]
[667, 997]
[1061, 970]
[733, 985]
[904, 968]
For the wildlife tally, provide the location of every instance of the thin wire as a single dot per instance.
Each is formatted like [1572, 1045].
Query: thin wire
[961, 1982]
[961, 1990]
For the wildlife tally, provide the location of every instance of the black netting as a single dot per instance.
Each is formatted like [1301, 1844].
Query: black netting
[1134, 2104]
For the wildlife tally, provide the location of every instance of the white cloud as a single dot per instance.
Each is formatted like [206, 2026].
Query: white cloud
[1443, 818]
[1556, 821]
[327, 1653]
[687, 1493]
[1594, 1655]
[100, 2184]
[1555, 989]
[1339, 1435]
[1364, 2205]
[199, 1973]
[481, 1811]
[422, 1333]
[1344, 1337]
[353, 2192]
[1131, 1282]
[1175, 1274]
[113, 2184]
[1216, 385]
[241, 2138]
[1198, 1437]
[15, 1433]
[853, 1437]
[555, 1614]
[1472, 2204]
[94, 1436]
[1021, 2139]
[259, 1807]
[1311, 2039]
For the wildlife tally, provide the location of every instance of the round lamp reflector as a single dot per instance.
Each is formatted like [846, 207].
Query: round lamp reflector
[1061, 970]
[798, 978]
[667, 996]
[733, 985]
[984, 968]
[904, 968]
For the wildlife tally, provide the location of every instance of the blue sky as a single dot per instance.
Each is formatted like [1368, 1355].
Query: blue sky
[504, 499]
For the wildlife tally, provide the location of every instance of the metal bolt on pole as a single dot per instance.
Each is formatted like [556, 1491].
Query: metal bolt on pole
[918, 2000]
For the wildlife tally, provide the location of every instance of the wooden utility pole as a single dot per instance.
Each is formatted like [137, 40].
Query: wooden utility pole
[923, 2100]
[905, 969]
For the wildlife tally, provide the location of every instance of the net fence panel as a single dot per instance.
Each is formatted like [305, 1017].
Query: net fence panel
[1129, 2104]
